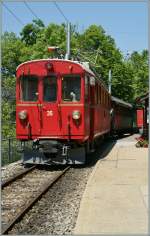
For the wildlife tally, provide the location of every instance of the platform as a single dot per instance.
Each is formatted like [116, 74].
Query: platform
[115, 200]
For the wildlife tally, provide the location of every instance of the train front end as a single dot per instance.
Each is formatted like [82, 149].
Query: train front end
[50, 112]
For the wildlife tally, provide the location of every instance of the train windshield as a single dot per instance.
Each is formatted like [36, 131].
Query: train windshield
[29, 88]
[50, 89]
[71, 88]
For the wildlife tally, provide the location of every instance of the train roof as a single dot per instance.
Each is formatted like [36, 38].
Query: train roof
[82, 64]
[121, 102]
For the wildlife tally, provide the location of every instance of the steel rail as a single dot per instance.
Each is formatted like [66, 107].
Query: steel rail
[15, 177]
[32, 202]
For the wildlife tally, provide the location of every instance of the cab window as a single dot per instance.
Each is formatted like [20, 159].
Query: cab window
[29, 88]
[50, 89]
[71, 88]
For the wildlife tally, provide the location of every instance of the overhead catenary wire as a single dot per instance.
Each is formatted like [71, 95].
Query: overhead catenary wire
[13, 14]
[61, 12]
[68, 32]
[32, 12]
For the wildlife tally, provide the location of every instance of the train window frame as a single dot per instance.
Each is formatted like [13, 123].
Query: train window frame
[100, 94]
[99, 98]
[95, 94]
[86, 88]
[74, 100]
[56, 90]
[102, 98]
[106, 100]
[21, 90]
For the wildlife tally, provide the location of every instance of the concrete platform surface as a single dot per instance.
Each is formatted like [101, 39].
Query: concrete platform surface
[115, 200]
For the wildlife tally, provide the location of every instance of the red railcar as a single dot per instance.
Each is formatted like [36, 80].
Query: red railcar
[122, 116]
[62, 107]
[140, 116]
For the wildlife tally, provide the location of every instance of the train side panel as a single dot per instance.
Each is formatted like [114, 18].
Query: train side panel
[140, 116]
[122, 116]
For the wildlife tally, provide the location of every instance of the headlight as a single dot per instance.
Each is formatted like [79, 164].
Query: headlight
[76, 115]
[22, 115]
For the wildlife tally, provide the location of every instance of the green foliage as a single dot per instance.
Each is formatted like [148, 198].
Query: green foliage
[8, 106]
[30, 32]
[122, 82]
[129, 76]
[11, 52]
[139, 63]
[8, 128]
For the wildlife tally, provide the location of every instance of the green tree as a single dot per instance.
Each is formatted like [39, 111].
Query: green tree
[139, 63]
[30, 31]
[11, 52]
[101, 51]
[122, 82]
[8, 105]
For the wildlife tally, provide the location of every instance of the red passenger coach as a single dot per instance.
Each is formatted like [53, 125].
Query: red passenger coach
[122, 116]
[62, 107]
[140, 116]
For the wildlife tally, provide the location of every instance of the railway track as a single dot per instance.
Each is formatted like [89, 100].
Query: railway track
[20, 193]
[8, 181]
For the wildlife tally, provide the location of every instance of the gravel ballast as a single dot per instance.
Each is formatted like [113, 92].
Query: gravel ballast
[57, 211]
[11, 170]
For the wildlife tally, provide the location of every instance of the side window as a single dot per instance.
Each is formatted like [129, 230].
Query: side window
[100, 94]
[104, 96]
[96, 93]
[106, 99]
[86, 88]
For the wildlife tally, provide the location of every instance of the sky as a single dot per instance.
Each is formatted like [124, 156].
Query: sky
[126, 22]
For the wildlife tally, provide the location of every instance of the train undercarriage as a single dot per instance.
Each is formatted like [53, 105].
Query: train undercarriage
[51, 152]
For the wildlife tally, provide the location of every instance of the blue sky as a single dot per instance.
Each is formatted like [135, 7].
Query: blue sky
[126, 22]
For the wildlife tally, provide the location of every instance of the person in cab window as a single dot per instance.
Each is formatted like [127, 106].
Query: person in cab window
[73, 97]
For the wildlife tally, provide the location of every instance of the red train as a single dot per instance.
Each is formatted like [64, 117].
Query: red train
[122, 116]
[63, 107]
[140, 118]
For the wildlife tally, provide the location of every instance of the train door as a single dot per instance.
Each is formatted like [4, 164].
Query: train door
[50, 112]
[71, 101]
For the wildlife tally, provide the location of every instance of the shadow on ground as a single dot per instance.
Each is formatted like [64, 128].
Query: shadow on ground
[100, 153]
